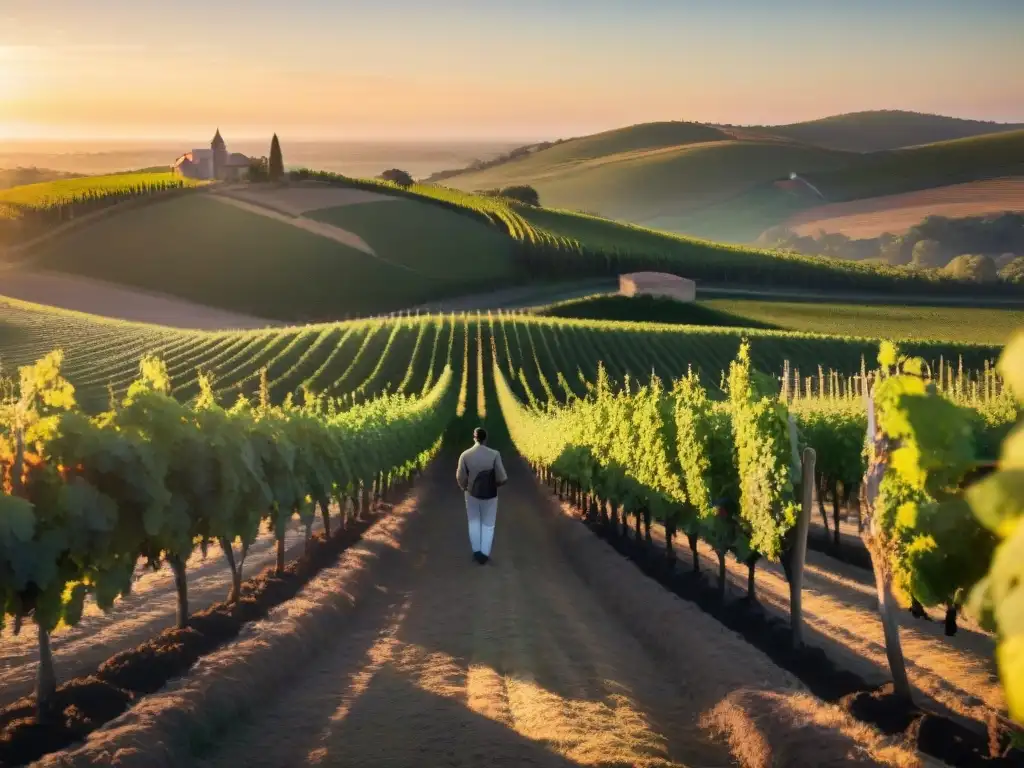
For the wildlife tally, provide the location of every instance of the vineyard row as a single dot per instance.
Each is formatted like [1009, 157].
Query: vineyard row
[739, 473]
[549, 357]
[86, 498]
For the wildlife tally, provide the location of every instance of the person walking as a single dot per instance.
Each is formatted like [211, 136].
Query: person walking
[479, 475]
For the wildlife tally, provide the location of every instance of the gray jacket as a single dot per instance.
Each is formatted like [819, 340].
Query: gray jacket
[479, 459]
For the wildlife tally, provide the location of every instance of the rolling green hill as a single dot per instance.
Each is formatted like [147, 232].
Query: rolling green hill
[654, 186]
[443, 244]
[931, 165]
[424, 245]
[878, 130]
[727, 183]
[633, 139]
[206, 251]
[556, 245]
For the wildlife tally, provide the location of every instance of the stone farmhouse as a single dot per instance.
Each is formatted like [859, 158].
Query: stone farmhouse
[215, 163]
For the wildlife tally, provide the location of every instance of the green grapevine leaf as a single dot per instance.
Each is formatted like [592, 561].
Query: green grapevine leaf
[998, 501]
[1011, 365]
[17, 522]
[74, 603]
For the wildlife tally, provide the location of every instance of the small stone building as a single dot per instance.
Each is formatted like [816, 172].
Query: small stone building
[213, 163]
[657, 284]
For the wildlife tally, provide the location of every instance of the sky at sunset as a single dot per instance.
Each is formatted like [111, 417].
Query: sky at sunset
[490, 69]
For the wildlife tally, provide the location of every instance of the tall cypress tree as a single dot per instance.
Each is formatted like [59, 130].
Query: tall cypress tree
[276, 168]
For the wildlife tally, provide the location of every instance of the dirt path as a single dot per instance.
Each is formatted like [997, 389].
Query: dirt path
[96, 297]
[147, 611]
[526, 661]
[337, 234]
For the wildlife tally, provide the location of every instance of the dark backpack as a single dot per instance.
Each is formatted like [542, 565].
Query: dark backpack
[485, 484]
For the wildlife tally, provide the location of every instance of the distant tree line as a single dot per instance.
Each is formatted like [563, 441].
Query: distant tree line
[507, 157]
[520, 193]
[268, 168]
[17, 177]
[977, 248]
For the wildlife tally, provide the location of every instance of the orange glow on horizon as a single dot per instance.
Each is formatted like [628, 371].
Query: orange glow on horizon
[164, 89]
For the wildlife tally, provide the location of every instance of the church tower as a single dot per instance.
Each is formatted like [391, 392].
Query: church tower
[220, 155]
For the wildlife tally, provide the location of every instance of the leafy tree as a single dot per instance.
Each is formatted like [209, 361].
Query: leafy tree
[276, 165]
[259, 169]
[977, 268]
[895, 253]
[522, 193]
[399, 177]
[928, 254]
[1014, 271]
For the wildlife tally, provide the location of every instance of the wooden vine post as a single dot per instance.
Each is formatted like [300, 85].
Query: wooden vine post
[799, 552]
[875, 539]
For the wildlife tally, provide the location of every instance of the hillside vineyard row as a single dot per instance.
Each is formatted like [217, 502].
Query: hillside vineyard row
[360, 359]
[85, 498]
[30, 211]
[730, 472]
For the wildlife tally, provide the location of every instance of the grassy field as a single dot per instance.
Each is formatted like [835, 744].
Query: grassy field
[205, 251]
[717, 183]
[952, 324]
[637, 139]
[739, 220]
[879, 130]
[654, 185]
[959, 324]
[931, 165]
[364, 357]
[436, 242]
[896, 214]
[50, 192]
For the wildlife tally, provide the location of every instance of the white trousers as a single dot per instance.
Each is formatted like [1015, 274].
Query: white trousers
[483, 513]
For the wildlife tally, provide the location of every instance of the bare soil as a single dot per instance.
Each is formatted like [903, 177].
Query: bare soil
[556, 653]
[150, 609]
[841, 611]
[82, 294]
[86, 702]
[896, 214]
[957, 691]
